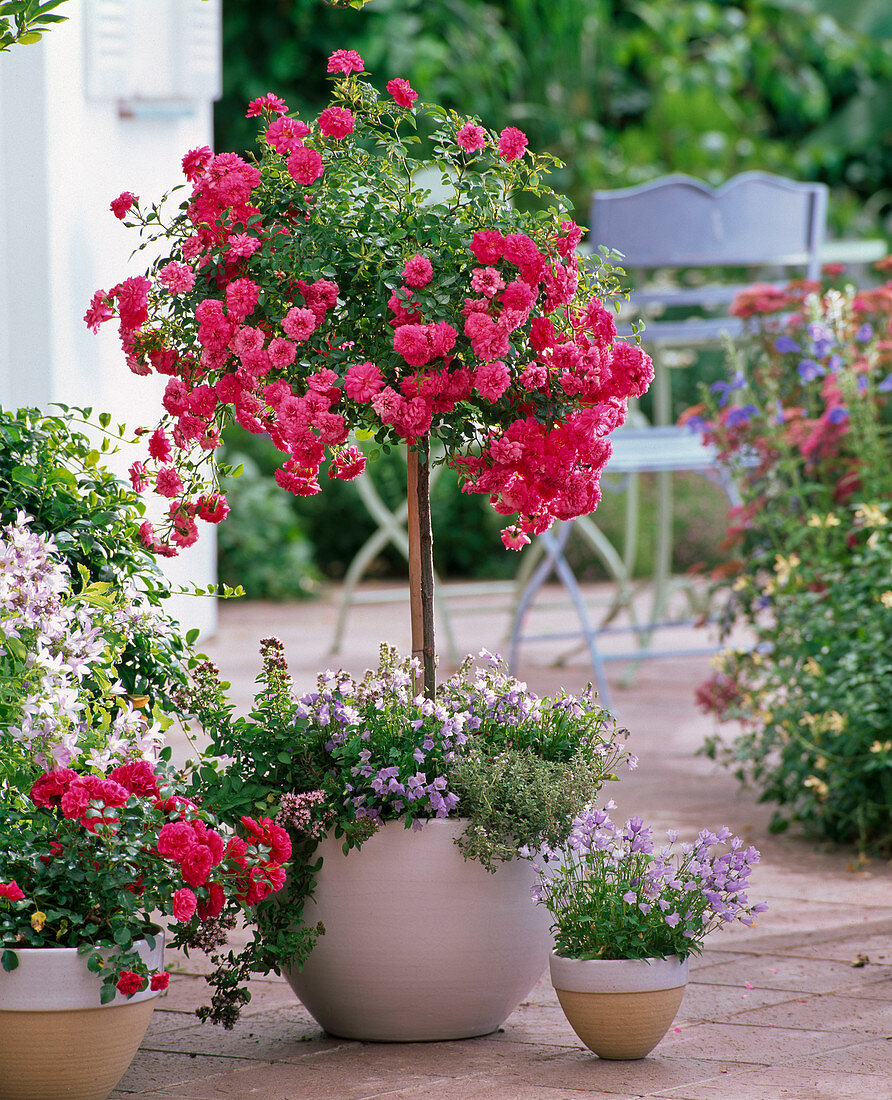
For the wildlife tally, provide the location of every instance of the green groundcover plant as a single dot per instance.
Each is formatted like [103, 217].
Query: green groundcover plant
[91, 860]
[804, 424]
[612, 895]
[352, 755]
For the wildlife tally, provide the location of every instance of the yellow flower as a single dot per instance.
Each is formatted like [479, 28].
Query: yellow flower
[38, 920]
[818, 786]
[809, 720]
[812, 667]
[871, 516]
[739, 584]
[830, 520]
[881, 746]
[834, 722]
[886, 599]
[783, 567]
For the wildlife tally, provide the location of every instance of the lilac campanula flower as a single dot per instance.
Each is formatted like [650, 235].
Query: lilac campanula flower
[779, 415]
[738, 382]
[864, 333]
[862, 384]
[808, 370]
[741, 414]
[834, 363]
[838, 415]
[785, 343]
[822, 339]
[886, 385]
[695, 424]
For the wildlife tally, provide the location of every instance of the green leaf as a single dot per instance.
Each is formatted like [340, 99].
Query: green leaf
[107, 993]
[9, 960]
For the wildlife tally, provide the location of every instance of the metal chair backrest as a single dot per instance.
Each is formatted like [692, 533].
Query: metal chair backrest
[755, 219]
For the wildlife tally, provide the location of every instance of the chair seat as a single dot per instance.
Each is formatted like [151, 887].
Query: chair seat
[651, 450]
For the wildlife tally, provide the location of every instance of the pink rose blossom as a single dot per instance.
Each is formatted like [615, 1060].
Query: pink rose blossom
[363, 381]
[305, 166]
[347, 464]
[402, 91]
[299, 323]
[167, 482]
[268, 102]
[492, 379]
[241, 297]
[282, 352]
[122, 204]
[336, 122]
[487, 281]
[287, 134]
[195, 162]
[418, 271]
[488, 245]
[183, 904]
[471, 137]
[99, 311]
[514, 539]
[512, 143]
[242, 246]
[345, 61]
[138, 477]
[177, 277]
[214, 508]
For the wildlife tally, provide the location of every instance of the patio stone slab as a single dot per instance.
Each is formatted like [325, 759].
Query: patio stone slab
[787, 1083]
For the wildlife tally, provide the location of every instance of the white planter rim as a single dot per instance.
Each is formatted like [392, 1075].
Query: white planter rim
[617, 975]
[51, 978]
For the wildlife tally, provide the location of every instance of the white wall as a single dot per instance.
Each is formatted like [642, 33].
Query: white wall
[107, 102]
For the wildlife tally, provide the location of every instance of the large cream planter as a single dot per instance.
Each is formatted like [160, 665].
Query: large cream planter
[419, 943]
[56, 1039]
[620, 1008]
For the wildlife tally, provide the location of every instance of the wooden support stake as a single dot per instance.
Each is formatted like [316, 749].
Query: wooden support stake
[421, 566]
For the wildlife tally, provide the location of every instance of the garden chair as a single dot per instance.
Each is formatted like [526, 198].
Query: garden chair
[755, 221]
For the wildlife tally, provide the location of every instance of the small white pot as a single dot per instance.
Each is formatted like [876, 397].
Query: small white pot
[419, 944]
[56, 1039]
[620, 1008]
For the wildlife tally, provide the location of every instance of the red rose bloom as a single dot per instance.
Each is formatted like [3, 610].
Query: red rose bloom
[138, 778]
[129, 982]
[11, 890]
[49, 788]
[159, 981]
[214, 904]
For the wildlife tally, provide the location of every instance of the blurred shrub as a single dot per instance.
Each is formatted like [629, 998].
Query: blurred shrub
[621, 92]
[262, 545]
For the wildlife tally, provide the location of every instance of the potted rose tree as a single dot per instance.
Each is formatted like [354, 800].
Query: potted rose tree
[319, 290]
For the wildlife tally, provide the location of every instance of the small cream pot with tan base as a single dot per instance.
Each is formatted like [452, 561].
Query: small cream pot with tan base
[620, 1008]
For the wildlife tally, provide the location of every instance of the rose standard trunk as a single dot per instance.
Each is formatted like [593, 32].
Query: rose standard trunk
[421, 564]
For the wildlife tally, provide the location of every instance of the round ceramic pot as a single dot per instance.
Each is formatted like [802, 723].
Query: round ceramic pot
[419, 943]
[620, 1008]
[56, 1039]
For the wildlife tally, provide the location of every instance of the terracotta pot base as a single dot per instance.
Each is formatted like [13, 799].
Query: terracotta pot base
[75, 1054]
[621, 1025]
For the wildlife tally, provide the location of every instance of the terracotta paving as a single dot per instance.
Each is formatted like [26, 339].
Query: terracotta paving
[797, 1008]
